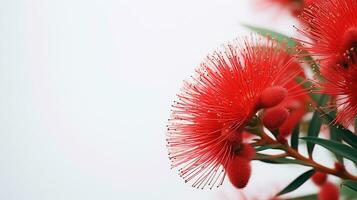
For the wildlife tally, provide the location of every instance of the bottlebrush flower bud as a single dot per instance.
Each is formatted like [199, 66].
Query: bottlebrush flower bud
[274, 117]
[319, 178]
[246, 151]
[239, 171]
[340, 168]
[272, 96]
[329, 191]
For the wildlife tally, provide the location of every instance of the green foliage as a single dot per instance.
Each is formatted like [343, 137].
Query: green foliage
[315, 124]
[347, 136]
[269, 159]
[295, 184]
[348, 193]
[335, 136]
[265, 147]
[335, 147]
[350, 184]
[294, 140]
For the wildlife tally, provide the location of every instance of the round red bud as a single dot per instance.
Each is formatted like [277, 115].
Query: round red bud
[274, 117]
[239, 171]
[328, 191]
[319, 178]
[272, 96]
[246, 151]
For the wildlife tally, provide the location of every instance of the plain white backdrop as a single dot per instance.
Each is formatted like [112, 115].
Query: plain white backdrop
[86, 88]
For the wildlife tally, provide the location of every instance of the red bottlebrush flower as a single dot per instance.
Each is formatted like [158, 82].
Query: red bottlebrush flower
[333, 32]
[332, 28]
[208, 119]
[329, 191]
[319, 178]
[342, 83]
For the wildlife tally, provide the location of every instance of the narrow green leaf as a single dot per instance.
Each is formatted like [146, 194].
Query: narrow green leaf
[273, 34]
[315, 125]
[295, 184]
[323, 100]
[294, 140]
[313, 131]
[347, 136]
[350, 184]
[348, 193]
[267, 159]
[335, 147]
[328, 117]
[284, 161]
[265, 147]
[336, 136]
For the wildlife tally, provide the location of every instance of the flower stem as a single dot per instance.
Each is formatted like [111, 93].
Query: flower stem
[318, 167]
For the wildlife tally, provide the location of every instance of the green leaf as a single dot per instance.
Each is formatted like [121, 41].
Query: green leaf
[335, 147]
[265, 147]
[350, 184]
[315, 125]
[294, 140]
[348, 193]
[267, 159]
[313, 131]
[273, 34]
[347, 136]
[336, 136]
[307, 197]
[295, 184]
[328, 117]
[323, 100]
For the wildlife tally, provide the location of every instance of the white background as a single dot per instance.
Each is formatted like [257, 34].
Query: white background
[85, 92]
